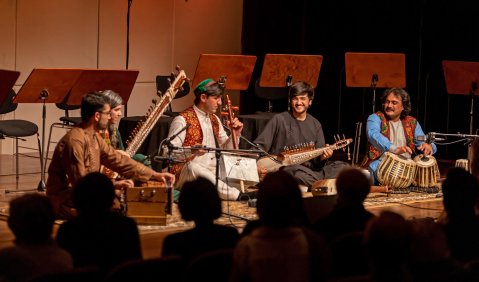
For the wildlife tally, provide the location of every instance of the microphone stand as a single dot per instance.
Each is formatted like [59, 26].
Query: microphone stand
[218, 152]
[261, 150]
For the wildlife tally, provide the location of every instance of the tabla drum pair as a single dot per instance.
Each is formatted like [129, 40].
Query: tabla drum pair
[398, 172]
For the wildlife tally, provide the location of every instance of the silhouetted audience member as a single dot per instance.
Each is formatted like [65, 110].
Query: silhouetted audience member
[430, 257]
[387, 240]
[34, 252]
[279, 247]
[461, 225]
[98, 236]
[199, 202]
[349, 214]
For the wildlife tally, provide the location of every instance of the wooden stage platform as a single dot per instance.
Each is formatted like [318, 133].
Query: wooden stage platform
[412, 205]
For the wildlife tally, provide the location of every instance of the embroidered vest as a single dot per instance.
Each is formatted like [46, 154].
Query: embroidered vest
[409, 125]
[194, 133]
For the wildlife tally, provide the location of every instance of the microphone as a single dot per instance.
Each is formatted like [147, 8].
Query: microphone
[177, 133]
[430, 138]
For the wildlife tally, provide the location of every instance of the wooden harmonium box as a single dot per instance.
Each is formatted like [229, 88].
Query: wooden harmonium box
[149, 203]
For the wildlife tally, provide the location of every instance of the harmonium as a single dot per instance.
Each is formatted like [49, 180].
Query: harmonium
[149, 203]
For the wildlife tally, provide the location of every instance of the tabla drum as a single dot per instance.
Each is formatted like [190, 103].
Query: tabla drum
[427, 171]
[396, 171]
[462, 163]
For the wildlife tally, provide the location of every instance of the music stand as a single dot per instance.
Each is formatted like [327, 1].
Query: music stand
[383, 70]
[281, 70]
[120, 81]
[372, 70]
[462, 79]
[46, 86]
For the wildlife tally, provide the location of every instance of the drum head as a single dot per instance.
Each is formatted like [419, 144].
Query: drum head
[424, 161]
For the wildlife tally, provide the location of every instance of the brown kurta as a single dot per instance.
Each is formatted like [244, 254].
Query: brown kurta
[80, 152]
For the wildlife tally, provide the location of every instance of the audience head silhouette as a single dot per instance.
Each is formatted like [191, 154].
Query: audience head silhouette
[31, 219]
[460, 191]
[279, 200]
[352, 185]
[199, 201]
[93, 194]
[388, 238]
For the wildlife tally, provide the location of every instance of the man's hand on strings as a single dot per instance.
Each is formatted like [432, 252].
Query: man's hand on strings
[236, 126]
[328, 153]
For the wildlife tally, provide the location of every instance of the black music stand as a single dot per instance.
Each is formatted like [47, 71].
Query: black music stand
[280, 71]
[373, 70]
[462, 79]
[163, 82]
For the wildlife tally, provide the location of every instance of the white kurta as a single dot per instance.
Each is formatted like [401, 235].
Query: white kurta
[204, 165]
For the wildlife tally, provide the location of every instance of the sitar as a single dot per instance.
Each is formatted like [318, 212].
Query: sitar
[152, 116]
[298, 155]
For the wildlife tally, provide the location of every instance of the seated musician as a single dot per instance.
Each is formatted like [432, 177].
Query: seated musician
[111, 134]
[393, 130]
[82, 150]
[199, 126]
[296, 127]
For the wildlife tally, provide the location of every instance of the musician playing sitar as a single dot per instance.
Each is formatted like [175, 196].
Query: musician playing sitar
[199, 126]
[111, 134]
[82, 150]
[393, 130]
[296, 127]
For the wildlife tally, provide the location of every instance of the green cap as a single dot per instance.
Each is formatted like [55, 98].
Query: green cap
[201, 87]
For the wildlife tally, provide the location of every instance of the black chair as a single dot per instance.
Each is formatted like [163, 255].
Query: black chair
[66, 122]
[17, 128]
[211, 266]
[271, 93]
[163, 83]
[81, 274]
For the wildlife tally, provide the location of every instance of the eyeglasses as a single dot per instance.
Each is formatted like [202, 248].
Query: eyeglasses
[105, 113]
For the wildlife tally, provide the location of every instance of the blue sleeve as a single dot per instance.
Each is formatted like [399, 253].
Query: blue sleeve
[373, 130]
[419, 132]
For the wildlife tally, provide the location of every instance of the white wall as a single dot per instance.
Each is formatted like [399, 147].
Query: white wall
[92, 34]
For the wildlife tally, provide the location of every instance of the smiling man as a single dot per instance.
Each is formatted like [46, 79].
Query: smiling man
[295, 128]
[393, 130]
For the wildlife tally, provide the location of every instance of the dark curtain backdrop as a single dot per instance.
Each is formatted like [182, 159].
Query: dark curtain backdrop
[426, 31]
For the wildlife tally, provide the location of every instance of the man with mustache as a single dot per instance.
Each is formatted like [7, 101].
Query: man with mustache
[393, 130]
[296, 127]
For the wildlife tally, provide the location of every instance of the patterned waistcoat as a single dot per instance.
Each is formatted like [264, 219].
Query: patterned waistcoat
[194, 133]
[409, 125]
